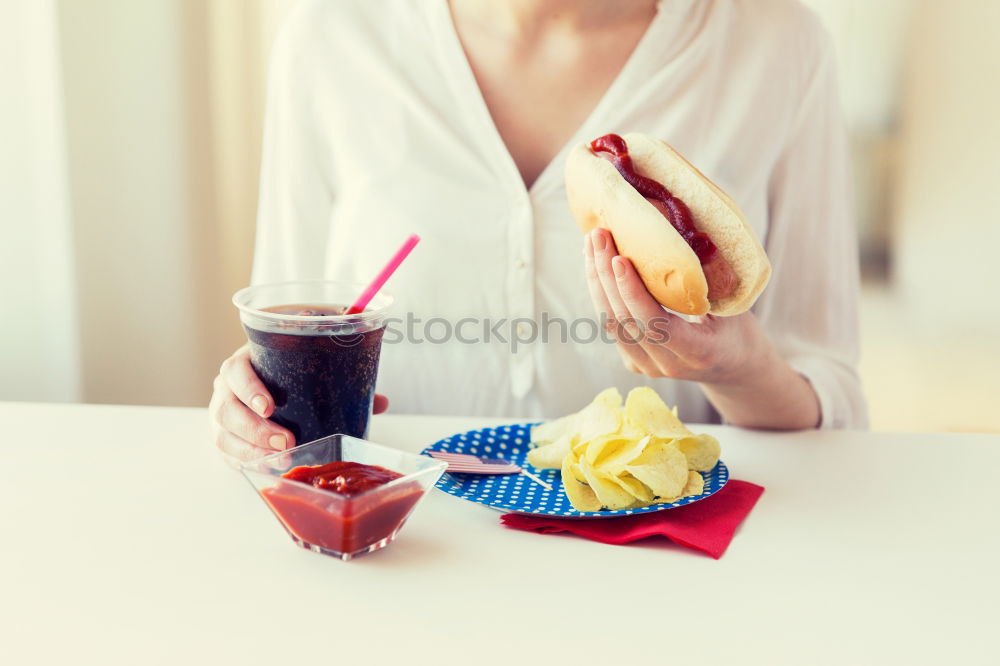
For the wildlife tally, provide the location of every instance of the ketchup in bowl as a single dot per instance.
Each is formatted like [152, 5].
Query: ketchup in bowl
[342, 476]
[342, 496]
[353, 519]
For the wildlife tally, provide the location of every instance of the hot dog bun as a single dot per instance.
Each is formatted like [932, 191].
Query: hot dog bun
[600, 197]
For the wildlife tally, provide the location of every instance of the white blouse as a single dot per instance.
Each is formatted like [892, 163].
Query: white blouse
[376, 129]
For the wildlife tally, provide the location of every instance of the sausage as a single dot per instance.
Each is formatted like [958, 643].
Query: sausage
[720, 276]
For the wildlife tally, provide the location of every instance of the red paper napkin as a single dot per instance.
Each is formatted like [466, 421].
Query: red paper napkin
[707, 525]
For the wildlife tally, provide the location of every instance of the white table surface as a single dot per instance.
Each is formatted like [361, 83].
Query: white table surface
[126, 540]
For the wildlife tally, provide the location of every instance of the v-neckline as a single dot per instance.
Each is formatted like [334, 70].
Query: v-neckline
[470, 95]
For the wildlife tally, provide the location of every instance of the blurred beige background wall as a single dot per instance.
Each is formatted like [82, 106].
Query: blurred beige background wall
[145, 196]
[947, 203]
[932, 333]
[140, 198]
[163, 103]
[40, 353]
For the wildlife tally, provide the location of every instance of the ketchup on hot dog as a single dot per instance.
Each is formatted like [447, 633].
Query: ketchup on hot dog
[719, 275]
[676, 210]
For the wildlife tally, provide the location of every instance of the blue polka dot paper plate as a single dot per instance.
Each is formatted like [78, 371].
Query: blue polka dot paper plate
[519, 494]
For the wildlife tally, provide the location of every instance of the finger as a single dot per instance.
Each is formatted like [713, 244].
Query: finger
[597, 295]
[635, 358]
[380, 404]
[240, 420]
[239, 375]
[235, 449]
[604, 252]
[628, 331]
[661, 329]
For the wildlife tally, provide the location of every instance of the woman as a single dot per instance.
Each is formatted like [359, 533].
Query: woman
[453, 119]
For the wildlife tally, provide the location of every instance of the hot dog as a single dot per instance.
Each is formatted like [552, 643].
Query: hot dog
[687, 239]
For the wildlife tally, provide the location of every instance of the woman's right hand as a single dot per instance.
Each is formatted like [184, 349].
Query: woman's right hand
[239, 412]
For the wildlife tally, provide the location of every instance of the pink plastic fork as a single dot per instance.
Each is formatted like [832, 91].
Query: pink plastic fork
[464, 463]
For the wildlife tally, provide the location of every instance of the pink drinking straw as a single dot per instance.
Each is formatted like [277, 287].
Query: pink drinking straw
[369, 293]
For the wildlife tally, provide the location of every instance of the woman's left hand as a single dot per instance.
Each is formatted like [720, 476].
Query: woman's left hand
[657, 343]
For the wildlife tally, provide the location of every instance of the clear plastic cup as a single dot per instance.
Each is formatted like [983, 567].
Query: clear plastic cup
[319, 365]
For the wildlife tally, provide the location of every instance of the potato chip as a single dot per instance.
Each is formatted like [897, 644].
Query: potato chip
[639, 490]
[695, 486]
[575, 468]
[646, 411]
[601, 447]
[580, 495]
[551, 455]
[701, 451]
[662, 467]
[619, 456]
[552, 431]
[610, 494]
[603, 416]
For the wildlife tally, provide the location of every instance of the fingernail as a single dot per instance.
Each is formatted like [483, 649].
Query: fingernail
[278, 442]
[259, 404]
[618, 266]
[597, 238]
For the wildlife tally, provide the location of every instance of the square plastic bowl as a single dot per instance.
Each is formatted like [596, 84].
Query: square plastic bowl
[340, 525]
